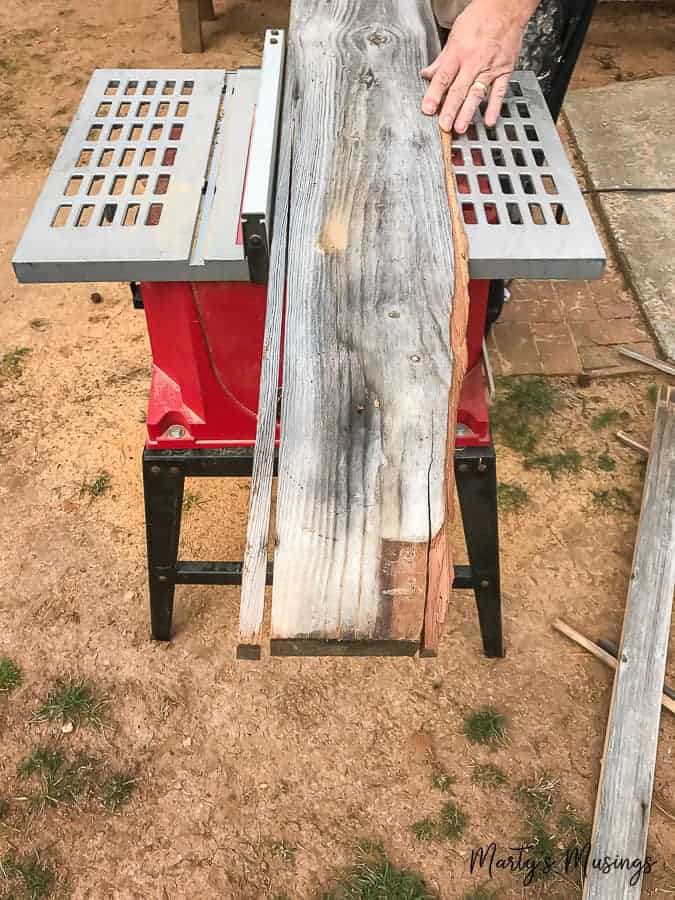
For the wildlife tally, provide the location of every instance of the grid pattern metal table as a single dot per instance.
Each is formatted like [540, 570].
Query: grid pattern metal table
[149, 182]
[524, 213]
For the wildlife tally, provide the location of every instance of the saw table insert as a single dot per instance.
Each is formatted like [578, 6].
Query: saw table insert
[169, 179]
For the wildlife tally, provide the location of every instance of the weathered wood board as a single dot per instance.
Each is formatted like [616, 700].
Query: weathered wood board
[627, 779]
[254, 572]
[361, 505]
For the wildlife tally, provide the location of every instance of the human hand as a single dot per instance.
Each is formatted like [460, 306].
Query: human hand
[478, 58]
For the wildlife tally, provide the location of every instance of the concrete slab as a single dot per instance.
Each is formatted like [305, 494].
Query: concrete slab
[624, 134]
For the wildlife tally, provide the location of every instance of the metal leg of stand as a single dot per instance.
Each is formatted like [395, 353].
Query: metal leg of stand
[476, 477]
[163, 487]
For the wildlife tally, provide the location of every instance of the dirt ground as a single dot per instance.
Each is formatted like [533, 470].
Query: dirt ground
[258, 780]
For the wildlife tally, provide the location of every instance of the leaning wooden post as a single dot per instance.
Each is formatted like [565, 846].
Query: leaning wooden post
[206, 10]
[190, 26]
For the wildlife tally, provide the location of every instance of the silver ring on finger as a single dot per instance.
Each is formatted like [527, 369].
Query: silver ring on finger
[482, 86]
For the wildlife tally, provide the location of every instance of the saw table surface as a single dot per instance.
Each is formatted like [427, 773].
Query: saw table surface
[160, 169]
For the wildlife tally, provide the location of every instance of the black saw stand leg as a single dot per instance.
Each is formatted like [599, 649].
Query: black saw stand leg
[476, 479]
[163, 488]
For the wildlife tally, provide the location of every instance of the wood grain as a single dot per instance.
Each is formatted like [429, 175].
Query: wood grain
[626, 782]
[254, 571]
[367, 358]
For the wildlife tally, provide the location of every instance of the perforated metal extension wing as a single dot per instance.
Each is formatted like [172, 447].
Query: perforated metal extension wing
[524, 213]
[149, 181]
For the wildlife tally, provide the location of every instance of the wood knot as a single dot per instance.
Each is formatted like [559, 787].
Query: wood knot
[367, 78]
[378, 38]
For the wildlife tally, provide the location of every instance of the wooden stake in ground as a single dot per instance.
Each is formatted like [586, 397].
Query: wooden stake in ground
[627, 779]
[362, 510]
[191, 14]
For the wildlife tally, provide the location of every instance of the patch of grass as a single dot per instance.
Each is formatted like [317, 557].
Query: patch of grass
[521, 404]
[530, 396]
[609, 417]
[42, 761]
[97, 487]
[512, 497]
[606, 463]
[615, 498]
[4, 809]
[653, 393]
[543, 848]
[424, 829]
[539, 796]
[116, 791]
[10, 675]
[61, 781]
[11, 363]
[556, 463]
[481, 892]
[192, 501]
[573, 830]
[72, 700]
[39, 324]
[488, 775]
[519, 412]
[453, 821]
[442, 781]
[519, 436]
[374, 877]
[485, 726]
[29, 874]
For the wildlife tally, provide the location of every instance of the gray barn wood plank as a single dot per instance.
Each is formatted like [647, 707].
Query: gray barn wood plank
[627, 779]
[254, 571]
[367, 359]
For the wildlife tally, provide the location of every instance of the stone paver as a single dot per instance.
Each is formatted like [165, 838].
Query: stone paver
[569, 327]
[624, 134]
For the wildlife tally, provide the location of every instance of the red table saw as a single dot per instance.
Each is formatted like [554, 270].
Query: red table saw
[166, 180]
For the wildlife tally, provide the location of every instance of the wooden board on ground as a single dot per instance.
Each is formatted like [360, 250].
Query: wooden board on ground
[627, 779]
[362, 514]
